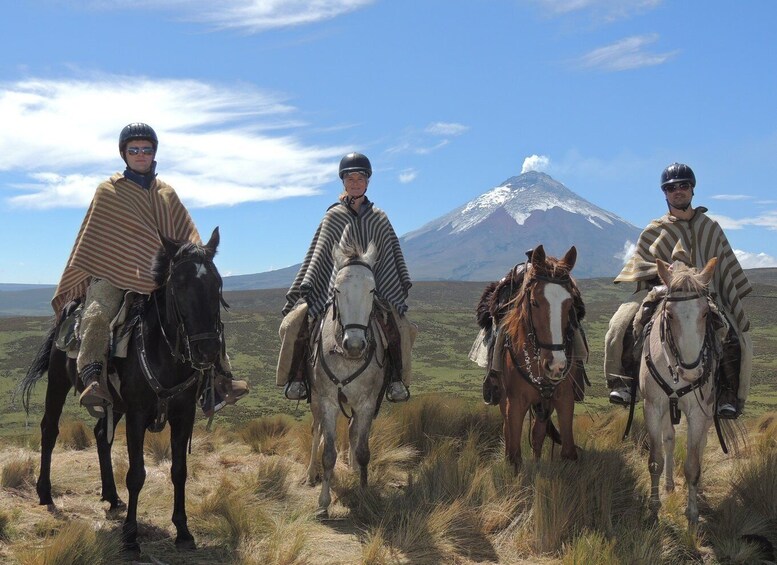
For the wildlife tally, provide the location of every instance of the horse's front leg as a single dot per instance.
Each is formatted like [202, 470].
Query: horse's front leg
[669, 443]
[329, 457]
[104, 447]
[653, 423]
[539, 430]
[56, 393]
[515, 412]
[565, 406]
[359, 436]
[180, 432]
[136, 477]
[697, 440]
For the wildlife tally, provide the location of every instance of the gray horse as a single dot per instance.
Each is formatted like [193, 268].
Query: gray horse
[347, 373]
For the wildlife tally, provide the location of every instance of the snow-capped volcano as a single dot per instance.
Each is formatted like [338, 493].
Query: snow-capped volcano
[483, 238]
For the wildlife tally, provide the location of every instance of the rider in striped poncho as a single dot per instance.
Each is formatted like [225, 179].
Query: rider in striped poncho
[355, 216]
[688, 234]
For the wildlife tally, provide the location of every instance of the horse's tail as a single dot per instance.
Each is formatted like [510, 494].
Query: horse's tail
[38, 368]
[731, 434]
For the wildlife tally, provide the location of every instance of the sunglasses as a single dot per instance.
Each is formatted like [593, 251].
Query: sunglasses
[139, 150]
[670, 188]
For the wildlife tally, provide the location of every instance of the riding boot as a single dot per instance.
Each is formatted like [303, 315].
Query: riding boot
[297, 386]
[396, 391]
[492, 391]
[728, 378]
[94, 397]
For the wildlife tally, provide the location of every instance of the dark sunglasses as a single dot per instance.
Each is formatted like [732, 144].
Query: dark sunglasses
[678, 185]
[138, 150]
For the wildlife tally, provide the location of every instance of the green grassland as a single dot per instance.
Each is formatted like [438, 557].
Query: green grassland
[445, 314]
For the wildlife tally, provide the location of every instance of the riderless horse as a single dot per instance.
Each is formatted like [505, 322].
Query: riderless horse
[539, 366]
[679, 360]
[176, 340]
[347, 367]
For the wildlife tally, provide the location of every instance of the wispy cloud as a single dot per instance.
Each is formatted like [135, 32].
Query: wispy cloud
[767, 220]
[604, 10]
[731, 197]
[431, 138]
[219, 145]
[407, 176]
[626, 54]
[247, 15]
[754, 260]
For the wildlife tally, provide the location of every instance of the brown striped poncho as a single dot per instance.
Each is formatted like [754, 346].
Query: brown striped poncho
[119, 239]
[699, 240]
[315, 276]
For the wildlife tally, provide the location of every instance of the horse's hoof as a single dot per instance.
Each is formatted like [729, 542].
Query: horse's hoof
[131, 551]
[322, 514]
[185, 544]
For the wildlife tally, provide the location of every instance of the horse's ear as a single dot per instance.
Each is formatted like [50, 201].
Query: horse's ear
[538, 256]
[570, 258]
[213, 242]
[663, 271]
[371, 255]
[706, 274]
[171, 247]
[338, 255]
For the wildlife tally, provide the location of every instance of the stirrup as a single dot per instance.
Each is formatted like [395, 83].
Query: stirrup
[491, 392]
[295, 390]
[620, 397]
[397, 392]
[727, 411]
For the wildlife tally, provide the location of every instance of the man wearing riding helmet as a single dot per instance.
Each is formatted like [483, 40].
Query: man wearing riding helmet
[307, 298]
[114, 252]
[688, 234]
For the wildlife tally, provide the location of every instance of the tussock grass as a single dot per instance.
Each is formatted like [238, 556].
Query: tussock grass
[5, 522]
[75, 544]
[73, 434]
[157, 446]
[18, 474]
[268, 435]
[271, 479]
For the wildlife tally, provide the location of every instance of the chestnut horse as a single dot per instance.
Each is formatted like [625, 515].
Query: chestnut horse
[538, 366]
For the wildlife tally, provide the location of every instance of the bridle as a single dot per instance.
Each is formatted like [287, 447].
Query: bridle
[703, 359]
[183, 350]
[545, 385]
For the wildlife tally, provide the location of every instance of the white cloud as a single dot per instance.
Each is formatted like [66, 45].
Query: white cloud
[754, 260]
[407, 176]
[605, 10]
[628, 250]
[767, 220]
[625, 54]
[247, 15]
[219, 145]
[535, 163]
[730, 197]
[446, 129]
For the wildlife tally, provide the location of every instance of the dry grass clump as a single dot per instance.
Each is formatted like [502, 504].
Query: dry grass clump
[73, 434]
[18, 474]
[268, 435]
[76, 543]
[271, 479]
[157, 446]
[5, 522]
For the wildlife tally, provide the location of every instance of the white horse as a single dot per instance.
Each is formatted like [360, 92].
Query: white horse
[347, 372]
[677, 374]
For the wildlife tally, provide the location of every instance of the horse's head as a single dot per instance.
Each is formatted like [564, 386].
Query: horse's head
[684, 313]
[544, 316]
[353, 297]
[191, 286]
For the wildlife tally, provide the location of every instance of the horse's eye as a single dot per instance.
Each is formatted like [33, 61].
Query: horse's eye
[535, 304]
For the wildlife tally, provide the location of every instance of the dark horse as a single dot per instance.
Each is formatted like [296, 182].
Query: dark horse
[177, 340]
[539, 368]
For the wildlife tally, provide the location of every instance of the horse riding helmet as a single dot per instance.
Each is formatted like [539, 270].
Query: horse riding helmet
[677, 172]
[137, 130]
[355, 163]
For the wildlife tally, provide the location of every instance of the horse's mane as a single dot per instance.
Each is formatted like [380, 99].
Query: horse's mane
[161, 266]
[351, 249]
[514, 320]
[685, 279]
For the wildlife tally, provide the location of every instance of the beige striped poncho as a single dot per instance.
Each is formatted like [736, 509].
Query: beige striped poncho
[315, 277]
[119, 239]
[699, 240]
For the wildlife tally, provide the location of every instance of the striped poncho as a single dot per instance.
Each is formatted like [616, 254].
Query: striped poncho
[697, 240]
[316, 275]
[119, 239]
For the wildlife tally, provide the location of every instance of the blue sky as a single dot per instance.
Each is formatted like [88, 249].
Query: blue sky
[256, 101]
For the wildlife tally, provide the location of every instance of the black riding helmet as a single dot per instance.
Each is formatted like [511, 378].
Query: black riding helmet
[677, 172]
[355, 162]
[137, 130]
